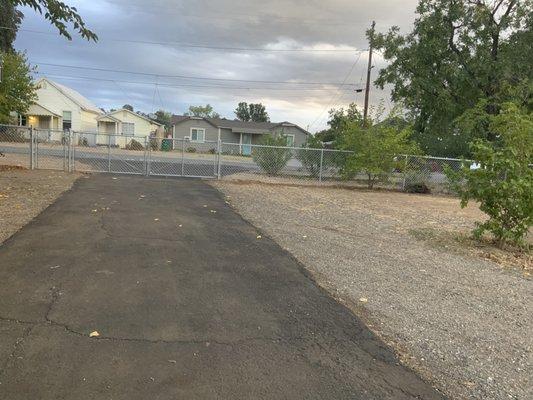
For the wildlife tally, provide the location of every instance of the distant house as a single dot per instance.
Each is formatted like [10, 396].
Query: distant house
[60, 108]
[201, 130]
[123, 125]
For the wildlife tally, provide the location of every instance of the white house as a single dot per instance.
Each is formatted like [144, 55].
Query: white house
[120, 126]
[59, 108]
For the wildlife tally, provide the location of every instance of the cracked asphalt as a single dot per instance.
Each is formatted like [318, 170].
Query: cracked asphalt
[188, 302]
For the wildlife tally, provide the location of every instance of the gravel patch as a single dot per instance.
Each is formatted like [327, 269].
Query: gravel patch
[462, 322]
[24, 194]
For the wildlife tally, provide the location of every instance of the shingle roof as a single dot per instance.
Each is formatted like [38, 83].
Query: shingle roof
[239, 126]
[76, 97]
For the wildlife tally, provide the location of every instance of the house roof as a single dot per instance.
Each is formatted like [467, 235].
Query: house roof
[240, 126]
[76, 97]
[110, 115]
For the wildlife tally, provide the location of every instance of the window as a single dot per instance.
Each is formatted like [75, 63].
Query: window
[67, 120]
[23, 121]
[128, 128]
[290, 140]
[197, 135]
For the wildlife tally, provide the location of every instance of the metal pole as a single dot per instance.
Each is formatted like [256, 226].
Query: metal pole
[404, 172]
[219, 158]
[182, 156]
[31, 149]
[321, 163]
[146, 150]
[71, 156]
[108, 153]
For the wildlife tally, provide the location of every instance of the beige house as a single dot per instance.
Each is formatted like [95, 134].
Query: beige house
[59, 108]
[119, 127]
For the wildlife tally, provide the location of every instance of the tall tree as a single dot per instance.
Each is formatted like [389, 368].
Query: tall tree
[252, 112]
[338, 120]
[202, 111]
[460, 53]
[56, 12]
[17, 90]
[163, 117]
[10, 19]
[127, 107]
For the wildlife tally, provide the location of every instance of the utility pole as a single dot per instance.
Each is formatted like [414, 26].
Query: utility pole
[369, 72]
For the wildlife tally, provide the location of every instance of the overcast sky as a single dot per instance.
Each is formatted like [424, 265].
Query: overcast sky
[154, 41]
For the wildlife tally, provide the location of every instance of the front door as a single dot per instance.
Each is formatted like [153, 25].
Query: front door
[246, 142]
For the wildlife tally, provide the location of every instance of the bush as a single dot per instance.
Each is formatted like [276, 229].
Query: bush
[375, 150]
[272, 159]
[503, 183]
[134, 145]
[310, 156]
[191, 149]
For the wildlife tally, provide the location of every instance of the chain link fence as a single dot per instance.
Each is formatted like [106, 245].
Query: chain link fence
[146, 155]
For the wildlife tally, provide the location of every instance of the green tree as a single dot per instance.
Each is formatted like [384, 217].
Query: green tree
[459, 52]
[375, 149]
[274, 156]
[202, 111]
[339, 119]
[311, 158]
[128, 107]
[10, 20]
[163, 117]
[503, 183]
[252, 112]
[57, 12]
[17, 89]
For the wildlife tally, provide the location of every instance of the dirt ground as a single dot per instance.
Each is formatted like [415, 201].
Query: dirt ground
[403, 263]
[24, 194]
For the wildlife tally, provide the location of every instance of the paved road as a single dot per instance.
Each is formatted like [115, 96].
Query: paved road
[189, 304]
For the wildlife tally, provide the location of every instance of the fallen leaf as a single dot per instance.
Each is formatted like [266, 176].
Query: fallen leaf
[94, 334]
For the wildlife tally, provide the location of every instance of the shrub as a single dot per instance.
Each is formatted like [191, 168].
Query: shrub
[375, 150]
[191, 149]
[272, 159]
[134, 145]
[503, 183]
[310, 156]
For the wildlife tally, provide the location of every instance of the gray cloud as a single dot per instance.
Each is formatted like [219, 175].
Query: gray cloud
[334, 24]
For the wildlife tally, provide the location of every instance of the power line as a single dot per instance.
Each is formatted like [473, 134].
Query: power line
[179, 85]
[191, 77]
[204, 46]
[335, 98]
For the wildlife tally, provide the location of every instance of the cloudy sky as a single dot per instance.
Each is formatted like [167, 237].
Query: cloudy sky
[292, 56]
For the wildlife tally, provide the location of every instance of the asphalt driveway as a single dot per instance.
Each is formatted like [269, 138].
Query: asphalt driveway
[188, 303]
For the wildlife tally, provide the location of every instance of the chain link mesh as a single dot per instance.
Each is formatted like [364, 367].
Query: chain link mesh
[94, 152]
[15, 146]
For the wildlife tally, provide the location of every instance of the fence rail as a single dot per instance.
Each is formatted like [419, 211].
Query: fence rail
[145, 155]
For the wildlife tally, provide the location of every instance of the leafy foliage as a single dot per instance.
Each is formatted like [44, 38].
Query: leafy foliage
[128, 107]
[163, 117]
[10, 20]
[57, 12]
[338, 121]
[311, 158]
[134, 145]
[17, 89]
[459, 53]
[202, 111]
[375, 149]
[503, 185]
[272, 159]
[252, 112]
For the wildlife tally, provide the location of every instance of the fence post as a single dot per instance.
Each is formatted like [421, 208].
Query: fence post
[32, 150]
[405, 172]
[219, 157]
[146, 151]
[182, 156]
[71, 156]
[321, 164]
[108, 153]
